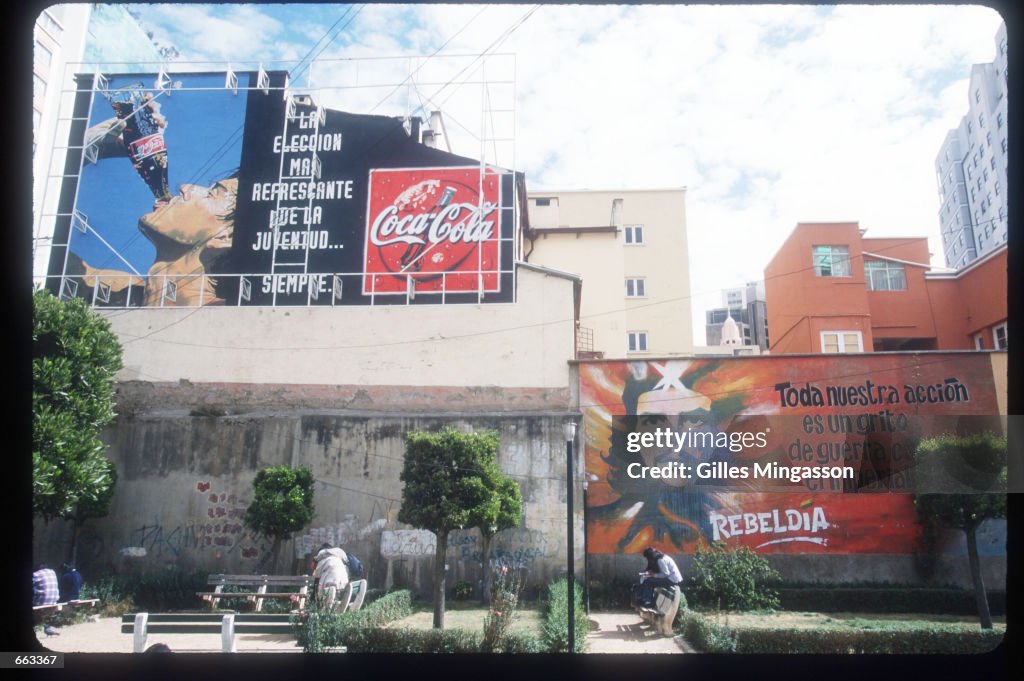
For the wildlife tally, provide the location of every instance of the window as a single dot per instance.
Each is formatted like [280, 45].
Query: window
[999, 337]
[885, 276]
[979, 343]
[831, 261]
[981, 120]
[50, 24]
[841, 341]
[999, 119]
[38, 86]
[977, 95]
[543, 202]
[635, 288]
[1005, 146]
[634, 234]
[993, 163]
[44, 55]
[637, 341]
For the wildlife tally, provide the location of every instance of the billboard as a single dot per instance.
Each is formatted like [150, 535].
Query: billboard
[798, 454]
[227, 189]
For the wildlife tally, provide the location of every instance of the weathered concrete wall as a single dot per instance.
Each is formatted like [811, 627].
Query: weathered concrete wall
[186, 479]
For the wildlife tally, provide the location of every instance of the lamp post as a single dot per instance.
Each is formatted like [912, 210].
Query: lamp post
[570, 435]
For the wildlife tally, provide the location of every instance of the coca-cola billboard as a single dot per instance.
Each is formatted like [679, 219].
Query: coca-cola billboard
[438, 227]
[307, 206]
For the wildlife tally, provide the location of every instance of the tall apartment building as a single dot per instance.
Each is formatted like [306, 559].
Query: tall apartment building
[629, 247]
[832, 290]
[971, 167]
[747, 308]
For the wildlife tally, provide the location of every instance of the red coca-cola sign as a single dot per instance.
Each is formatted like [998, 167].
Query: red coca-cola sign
[439, 226]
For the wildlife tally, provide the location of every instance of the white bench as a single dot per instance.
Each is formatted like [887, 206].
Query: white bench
[351, 598]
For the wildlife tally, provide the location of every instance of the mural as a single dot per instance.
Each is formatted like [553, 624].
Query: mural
[194, 193]
[782, 455]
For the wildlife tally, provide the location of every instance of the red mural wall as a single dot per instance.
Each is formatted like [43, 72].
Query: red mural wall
[684, 451]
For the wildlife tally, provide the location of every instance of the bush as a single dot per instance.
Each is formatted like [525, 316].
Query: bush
[317, 629]
[555, 629]
[154, 592]
[706, 634]
[733, 579]
[462, 591]
[504, 603]
[615, 595]
[370, 640]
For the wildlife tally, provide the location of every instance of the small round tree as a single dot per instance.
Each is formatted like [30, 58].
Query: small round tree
[282, 504]
[445, 489]
[962, 483]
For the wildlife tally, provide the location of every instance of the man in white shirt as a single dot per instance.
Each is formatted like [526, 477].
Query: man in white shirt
[331, 571]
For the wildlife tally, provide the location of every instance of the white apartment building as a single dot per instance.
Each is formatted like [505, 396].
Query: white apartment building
[630, 248]
[971, 167]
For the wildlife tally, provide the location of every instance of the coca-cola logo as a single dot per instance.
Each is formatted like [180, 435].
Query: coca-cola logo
[458, 223]
[146, 147]
[438, 226]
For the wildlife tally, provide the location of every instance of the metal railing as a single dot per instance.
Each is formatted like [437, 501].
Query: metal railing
[119, 291]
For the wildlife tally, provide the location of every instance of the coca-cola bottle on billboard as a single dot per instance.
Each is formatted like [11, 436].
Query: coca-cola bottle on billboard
[143, 135]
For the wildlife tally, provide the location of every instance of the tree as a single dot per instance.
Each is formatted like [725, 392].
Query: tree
[962, 483]
[75, 356]
[282, 504]
[445, 476]
[502, 512]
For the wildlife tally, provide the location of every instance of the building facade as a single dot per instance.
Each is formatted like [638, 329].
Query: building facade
[747, 308]
[630, 249]
[830, 289]
[971, 167]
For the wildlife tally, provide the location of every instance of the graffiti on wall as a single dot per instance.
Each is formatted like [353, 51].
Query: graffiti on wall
[782, 455]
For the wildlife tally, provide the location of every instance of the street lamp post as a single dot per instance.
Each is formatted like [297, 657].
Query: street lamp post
[570, 435]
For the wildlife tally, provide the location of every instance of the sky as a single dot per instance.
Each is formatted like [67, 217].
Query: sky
[769, 115]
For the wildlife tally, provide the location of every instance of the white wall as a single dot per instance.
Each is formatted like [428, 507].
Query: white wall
[523, 344]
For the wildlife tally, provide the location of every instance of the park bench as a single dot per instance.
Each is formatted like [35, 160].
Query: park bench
[663, 614]
[228, 625]
[68, 605]
[350, 598]
[259, 588]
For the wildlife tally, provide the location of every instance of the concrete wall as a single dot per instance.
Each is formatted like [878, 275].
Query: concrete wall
[186, 479]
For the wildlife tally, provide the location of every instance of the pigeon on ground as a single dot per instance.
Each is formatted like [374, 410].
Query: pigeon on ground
[50, 631]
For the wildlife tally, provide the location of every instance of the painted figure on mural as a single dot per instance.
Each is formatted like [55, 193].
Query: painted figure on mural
[191, 231]
[670, 510]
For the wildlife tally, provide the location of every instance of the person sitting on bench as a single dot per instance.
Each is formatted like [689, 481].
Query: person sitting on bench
[331, 571]
[661, 571]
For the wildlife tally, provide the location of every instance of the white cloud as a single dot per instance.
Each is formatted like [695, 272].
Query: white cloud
[769, 115]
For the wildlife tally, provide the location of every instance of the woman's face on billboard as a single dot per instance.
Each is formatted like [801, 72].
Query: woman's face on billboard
[196, 215]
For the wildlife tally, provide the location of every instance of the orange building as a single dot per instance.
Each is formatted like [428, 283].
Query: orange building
[830, 289]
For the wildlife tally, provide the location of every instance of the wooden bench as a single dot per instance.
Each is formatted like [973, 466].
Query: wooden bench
[351, 597]
[663, 614]
[142, 624]
[69, 605]
[260, 587]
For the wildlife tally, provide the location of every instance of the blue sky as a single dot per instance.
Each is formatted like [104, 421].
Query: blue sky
[769, 115]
